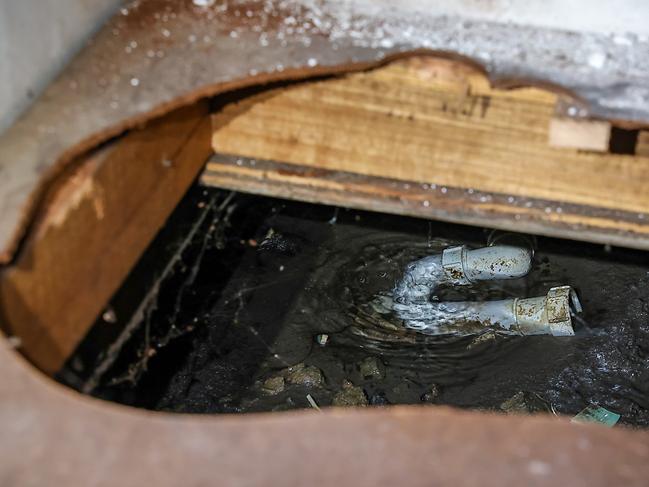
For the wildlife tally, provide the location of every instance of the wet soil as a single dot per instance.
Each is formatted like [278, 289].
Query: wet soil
[269, 308]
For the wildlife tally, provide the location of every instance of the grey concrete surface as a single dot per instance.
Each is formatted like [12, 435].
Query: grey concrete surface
[37, 38]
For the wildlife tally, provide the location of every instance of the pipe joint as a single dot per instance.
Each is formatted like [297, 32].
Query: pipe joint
[459, 266]
[549, 314]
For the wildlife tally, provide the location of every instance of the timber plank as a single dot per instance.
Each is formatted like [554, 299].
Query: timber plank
[98, 222]
[432, 121]
[411, 198]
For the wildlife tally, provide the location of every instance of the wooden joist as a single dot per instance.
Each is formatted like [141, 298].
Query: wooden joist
[439, 123]
[340, 188]
[98, 221]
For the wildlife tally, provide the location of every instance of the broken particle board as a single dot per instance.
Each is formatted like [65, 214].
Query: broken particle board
[431, 121]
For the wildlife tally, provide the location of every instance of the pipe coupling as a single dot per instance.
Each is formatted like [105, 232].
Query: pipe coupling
[549, 314]
[453, 263]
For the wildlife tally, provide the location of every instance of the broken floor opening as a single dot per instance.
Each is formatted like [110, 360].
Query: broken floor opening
[246, 303]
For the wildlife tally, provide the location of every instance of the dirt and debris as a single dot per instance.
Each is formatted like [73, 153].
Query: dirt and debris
[432, 394]
[371, 368]
[350, 396]
[273, 385]
[482, 339]
[233, 333]
[523, 403]
[304, 375]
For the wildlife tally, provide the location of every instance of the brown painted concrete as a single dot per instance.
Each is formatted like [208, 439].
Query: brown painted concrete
[52, 436]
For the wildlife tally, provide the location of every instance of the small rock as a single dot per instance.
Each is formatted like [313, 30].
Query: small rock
[273, 385]
[432, 394]
[523, 403]
[370, 368]
[350, 395]
[304, 375]
[515, 404]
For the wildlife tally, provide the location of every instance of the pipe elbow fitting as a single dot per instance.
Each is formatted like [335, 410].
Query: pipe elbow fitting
[550, 314]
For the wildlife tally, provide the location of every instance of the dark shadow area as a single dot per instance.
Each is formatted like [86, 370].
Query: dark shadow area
[623, 141]
[269, 306]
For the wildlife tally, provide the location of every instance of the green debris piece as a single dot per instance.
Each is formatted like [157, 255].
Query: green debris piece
[596, 414]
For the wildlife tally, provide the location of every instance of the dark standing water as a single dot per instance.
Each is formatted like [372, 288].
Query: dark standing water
[270, 308]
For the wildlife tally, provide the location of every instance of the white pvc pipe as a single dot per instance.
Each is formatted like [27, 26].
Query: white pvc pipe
[548, 314]
[497, 262]
[542, 315]
[459, 266]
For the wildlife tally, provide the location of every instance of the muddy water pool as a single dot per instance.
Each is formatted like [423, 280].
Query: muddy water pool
[269, 306]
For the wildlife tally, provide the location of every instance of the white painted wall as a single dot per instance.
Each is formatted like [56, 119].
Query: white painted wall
[37, 38]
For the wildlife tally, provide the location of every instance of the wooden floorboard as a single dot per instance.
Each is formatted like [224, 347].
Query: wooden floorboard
[437, 122]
